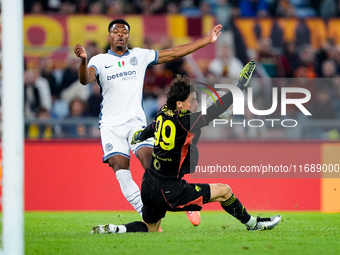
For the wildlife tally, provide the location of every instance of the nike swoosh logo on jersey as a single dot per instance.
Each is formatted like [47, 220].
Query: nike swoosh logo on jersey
[108, 66]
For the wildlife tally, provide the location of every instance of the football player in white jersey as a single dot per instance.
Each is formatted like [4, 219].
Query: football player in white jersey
[120, 75]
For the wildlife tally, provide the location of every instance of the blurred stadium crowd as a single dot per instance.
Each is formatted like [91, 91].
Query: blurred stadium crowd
[54, 96]
[244, 8]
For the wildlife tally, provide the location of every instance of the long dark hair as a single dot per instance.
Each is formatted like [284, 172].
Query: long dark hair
[180, 89]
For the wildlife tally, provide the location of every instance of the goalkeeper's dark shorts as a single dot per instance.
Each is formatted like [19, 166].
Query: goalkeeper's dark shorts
[160, 196]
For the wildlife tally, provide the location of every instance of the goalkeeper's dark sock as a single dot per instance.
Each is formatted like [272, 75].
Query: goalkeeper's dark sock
[234, 207]
[136, 226]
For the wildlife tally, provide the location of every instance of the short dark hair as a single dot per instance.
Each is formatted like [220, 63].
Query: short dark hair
[180, 89]
[118, 21]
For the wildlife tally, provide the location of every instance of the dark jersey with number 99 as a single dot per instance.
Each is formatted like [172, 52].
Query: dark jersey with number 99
[173, 152]
[176, 135]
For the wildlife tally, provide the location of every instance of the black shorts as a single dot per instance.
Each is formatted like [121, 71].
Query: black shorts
[160, 196]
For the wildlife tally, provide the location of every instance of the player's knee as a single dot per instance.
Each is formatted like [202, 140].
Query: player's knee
[225, 190]
[153, 227]
[144, 156]
[117, 163]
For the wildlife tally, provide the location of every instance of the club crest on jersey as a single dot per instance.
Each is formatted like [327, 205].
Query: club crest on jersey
[108, 147]
[121, 63]
[133, 61]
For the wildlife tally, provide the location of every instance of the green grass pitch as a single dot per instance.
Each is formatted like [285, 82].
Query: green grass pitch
[69, 233]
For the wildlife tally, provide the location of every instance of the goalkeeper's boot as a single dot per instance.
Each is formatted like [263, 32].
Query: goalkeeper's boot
[111, 229]
[99, 229]
[194, 217]
[104, 229]
[246, 73]
[266, 223]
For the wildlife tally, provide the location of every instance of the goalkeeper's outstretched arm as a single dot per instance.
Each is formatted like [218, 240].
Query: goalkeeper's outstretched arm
[212, 112]
[227, 100]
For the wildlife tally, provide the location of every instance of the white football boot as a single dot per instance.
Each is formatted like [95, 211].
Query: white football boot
[266, 223]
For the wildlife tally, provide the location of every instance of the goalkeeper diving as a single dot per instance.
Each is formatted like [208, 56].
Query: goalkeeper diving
[176, 130]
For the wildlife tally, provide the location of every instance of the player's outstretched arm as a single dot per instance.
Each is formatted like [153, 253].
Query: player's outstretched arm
[215, 110]
[183, 50]
[245, 75]
[86, 75]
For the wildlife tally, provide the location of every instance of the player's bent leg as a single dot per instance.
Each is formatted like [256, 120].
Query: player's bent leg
[223, 194]
[232, 205]
[154, 227]
[136, 226]
[219, 192]
[144, 156]
[118, 162]
[132, 227]
[152, 214]
[129, 188]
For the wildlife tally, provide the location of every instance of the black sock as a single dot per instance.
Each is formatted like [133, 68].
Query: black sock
[136, 226]
[234, 207]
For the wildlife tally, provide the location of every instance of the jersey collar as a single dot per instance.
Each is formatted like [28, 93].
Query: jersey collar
[114, 54]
